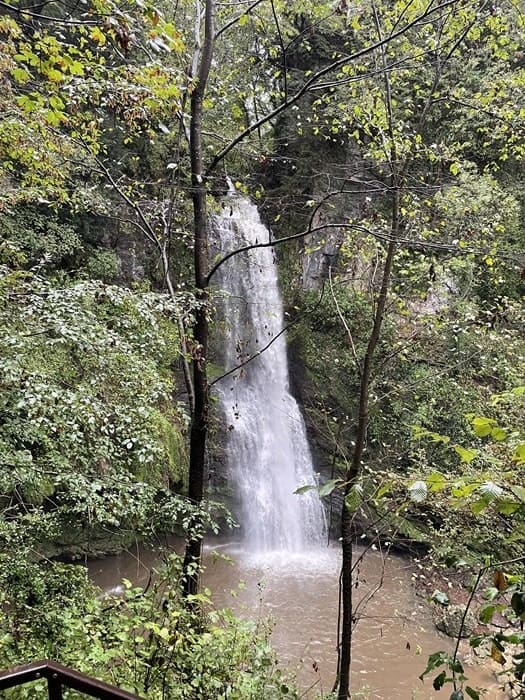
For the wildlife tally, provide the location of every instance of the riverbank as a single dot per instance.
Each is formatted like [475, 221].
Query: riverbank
[455, 608]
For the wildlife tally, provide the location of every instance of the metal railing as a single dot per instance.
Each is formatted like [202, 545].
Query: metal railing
[59, 677]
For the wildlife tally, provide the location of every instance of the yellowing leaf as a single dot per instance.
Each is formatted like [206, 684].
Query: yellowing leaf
[497, 655]
[98, 36]
[499, 580]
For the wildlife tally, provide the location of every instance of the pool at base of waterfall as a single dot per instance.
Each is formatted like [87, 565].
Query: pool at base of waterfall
[298, 593]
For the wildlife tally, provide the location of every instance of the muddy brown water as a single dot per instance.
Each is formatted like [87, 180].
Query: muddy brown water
[299, 593]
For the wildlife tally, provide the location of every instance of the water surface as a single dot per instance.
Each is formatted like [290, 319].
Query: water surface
[299, 594]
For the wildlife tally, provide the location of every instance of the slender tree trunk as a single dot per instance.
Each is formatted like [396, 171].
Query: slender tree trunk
[182, 331]
[199, 425]
[354, 471]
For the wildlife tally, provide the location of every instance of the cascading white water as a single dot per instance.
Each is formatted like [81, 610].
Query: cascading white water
[266, 449]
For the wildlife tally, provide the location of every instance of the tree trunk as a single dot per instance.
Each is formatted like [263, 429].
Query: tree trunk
[354, 471]
[199, 424]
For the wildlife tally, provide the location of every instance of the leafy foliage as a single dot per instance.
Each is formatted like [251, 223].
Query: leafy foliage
[145, 640]
[86, 403]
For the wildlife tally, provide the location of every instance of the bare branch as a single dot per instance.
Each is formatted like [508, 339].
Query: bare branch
[288, 102]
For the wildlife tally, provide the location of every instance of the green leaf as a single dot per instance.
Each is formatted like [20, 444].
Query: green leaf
[465, 455]
[478, 507]
[498, 434]
[486, 613]
[519, 454]
[20, 75]
[53, 118]
[476, 641]
[472, 693]
[456, 666]
[383, 490]
[508, 507]
[56, 102]
[462, 490]
[492, 593]
[304, 489]
[483, 426]
[27, 104]
[326, 489]
[435, 661]
[439, 681]
[519, 491]
[164, 633]
[353, 499]
[436, 481]
[418, 491]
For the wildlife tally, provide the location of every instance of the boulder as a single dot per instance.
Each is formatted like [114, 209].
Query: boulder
[449, 620]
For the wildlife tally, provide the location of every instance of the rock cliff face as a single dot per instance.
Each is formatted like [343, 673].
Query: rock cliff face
[317, 194]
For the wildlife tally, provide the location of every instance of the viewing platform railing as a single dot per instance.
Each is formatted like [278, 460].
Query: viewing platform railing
[59, 677]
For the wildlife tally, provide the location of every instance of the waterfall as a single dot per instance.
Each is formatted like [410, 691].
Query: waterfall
[267, 452]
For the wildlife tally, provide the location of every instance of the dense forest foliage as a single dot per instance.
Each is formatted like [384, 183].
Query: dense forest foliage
[383, 142]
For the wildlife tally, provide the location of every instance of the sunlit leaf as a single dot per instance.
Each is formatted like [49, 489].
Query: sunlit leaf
[483, 426]
[465, 455]
[490, 490]
[498, 434]
[436, 481]
[519, 454]
[508, 507]
[354, 498]
[478, 507]
[383, 490]
[519, 491]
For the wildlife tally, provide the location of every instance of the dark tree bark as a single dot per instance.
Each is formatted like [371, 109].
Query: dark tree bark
[353, 473]
[199, 424]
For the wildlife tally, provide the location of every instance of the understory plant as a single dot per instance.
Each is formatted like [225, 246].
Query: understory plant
[146, 639]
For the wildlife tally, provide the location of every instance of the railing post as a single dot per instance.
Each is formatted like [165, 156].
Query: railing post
[54, 687]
